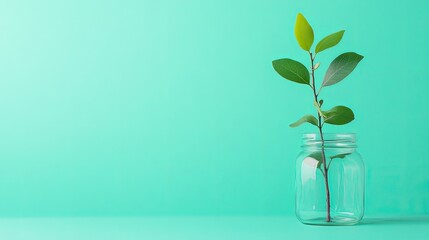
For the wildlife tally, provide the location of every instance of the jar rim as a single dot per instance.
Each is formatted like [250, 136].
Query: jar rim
[330, 140]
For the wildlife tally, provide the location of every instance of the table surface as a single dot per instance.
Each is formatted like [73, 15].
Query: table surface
[250, 228]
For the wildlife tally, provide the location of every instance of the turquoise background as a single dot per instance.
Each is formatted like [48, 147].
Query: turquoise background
[138, 108]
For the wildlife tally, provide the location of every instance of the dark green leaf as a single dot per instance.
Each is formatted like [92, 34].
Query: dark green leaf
[307, 118]
[303, 32]
[338, 115]
[292, 70]
[329, 41]
[341, 67]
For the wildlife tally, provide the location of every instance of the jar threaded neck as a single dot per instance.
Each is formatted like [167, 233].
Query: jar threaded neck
[331, 140]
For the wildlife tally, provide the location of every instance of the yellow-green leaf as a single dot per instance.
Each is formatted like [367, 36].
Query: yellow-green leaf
[303, 32]
[329, 41]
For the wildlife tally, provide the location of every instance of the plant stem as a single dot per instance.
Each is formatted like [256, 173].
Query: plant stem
[320, 126]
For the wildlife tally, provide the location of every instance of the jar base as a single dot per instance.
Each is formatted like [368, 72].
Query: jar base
[335, 221]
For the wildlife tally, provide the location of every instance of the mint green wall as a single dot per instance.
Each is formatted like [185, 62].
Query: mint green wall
[172, 107]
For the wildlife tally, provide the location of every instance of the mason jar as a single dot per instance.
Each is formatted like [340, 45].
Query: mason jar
[330, 180]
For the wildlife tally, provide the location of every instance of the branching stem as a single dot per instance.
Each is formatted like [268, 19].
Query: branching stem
[320, 126]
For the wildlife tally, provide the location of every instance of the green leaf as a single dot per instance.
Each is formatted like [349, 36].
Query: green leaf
[317, 156]
[329, 41]
[343, 155]
[303, 32]
[341, 67]
[292, 70]
[307, 118]
[338, 115]
[316, 66]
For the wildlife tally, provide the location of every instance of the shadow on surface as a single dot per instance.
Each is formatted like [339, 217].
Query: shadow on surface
[395, 220]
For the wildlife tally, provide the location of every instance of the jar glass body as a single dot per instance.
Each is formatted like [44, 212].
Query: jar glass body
[335, 198]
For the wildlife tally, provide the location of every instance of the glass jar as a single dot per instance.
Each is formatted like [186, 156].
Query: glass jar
[335, 198]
